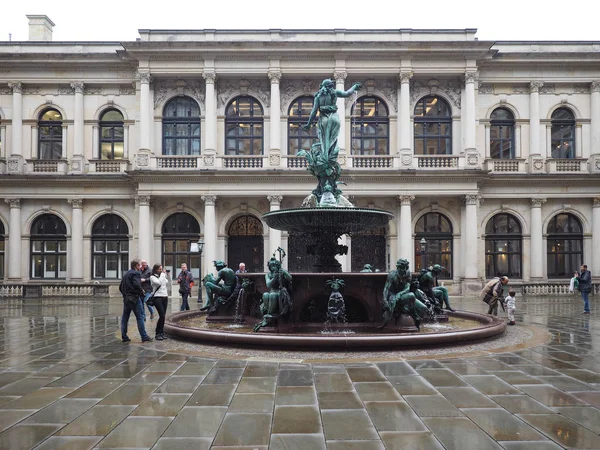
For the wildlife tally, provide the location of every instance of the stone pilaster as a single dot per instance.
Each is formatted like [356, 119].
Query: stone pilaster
[340, 80]
[275, 119]
[15, 161]
[145, 113]
[144, 227]
[404, 224]
[210, 232]
[210, 142]
[471, 256]
[14, 239]
[405, 151]
[274, 235]
[537, 240]
[76, 250]
[595, 262]
[470, 132]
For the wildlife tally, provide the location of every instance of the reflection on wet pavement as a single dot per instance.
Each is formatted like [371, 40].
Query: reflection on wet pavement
[67, 381]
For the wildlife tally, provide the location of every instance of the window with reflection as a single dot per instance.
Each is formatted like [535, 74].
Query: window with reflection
[112, 135]
[110, 247]
[244, 127]
[370, 127]
[181, 127]
[2, 250]
[502, 134]
[298, 114]
[563, 134]
[503, 246]
[50, 133]
[564, 246]
[436, 229]
[178, 233]
[48, 240]
[433, 127]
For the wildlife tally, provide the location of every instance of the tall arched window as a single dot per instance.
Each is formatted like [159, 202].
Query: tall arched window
[563, 134]
[178, 233]
[502, 134]
[433, 127]
[370, 127]
[503, 246]
[564, 245]
[2, 254]
[181, 127]
[110, 247]
[50, 133]
[246, 244]
[111, 135]
[244, 127]
[298, 114]
[48, 247]
[436, 229]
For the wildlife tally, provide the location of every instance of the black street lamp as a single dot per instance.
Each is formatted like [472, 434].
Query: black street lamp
[197, 247]
[423, 245]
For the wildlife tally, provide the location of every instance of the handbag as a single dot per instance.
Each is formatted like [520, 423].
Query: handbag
[150, 301]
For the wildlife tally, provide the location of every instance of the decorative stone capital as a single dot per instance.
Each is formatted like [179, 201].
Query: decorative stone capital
[537, 202]
[405, 200]
[78, 86]
[471, 76]
[596, 202]
[595, 86]
[274, 76]
[13, 202]
[16, 86]
[209, 76]
[472, 199]
[209, 200]
[142, 200]
[535, 86]
[144, 77]
[275, 200]
[405, 76]
[340, 76]
[76, 203]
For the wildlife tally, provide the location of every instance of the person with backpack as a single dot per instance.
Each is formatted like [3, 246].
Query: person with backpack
[131, 289]
[159, 280]
[584, 277]
[185, 279]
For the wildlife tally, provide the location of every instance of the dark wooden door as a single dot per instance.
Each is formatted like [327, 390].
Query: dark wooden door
[246, 249]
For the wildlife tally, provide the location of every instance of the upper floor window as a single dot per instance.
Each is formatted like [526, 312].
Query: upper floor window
[502, 134]
[111, 135]
[563, 134]
[48, 247]
[433, 127]
[181, 127]
[244, 127]
[370, 127]
[298, 114]
[50, 134]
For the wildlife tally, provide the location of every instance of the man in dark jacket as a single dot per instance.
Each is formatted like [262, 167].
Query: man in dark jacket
[146, 272]
[185, 279]
[585, 286]
[131, 289]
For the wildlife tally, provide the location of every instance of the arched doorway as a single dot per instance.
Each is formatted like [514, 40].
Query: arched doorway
[110, 247]
[48, 247]
[436, 229]
[246, 244]
[178, 233]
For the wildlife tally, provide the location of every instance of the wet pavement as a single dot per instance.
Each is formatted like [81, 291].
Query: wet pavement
[67, 382]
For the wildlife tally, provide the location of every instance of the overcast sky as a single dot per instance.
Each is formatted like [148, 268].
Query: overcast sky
[112, 20]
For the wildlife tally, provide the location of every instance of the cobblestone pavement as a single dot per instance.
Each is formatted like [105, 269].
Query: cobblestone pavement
[67, 382]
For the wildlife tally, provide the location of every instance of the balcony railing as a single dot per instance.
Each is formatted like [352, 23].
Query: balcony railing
[177, 162]
[108, 166]
[566, 165]
[372, 162]
[505, 165]
[242, 162]
[437, 162]
[58, 166]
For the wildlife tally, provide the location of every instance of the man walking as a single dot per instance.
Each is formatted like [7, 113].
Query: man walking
[585, 286]
[146, 272]
[185, 279]
[131, 289]
[492, 294]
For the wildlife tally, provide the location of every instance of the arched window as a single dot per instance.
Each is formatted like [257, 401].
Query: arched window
[563, 134]
[2, 250]
[48, 247]
[244, 127]
[111, 135]
[110, 247]
[178, 233]
[50, 133]
[369, 247]
[503, 246]
[565, 245]
[370, 127]
[437, 231]
[181, 127]
[246, 244]
[298, 114]
[502, 134]
[433, 127]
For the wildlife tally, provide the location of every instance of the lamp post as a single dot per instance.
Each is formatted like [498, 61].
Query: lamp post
[423, 245]
[197, 247]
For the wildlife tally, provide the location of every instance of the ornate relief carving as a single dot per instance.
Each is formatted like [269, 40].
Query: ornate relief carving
[583, 89]
[31, 90]
[451, 88]
[16, 87]
[405, 76]
[167, 88]
[387, 89]
[486, 88]
[520, 89]
[406, 160]
[471, 77]
[274, 160]
[12, 165]
[142, 200]
[76, 165]
[535, 86]
[596, 202]
[209, 160]
[76, 203]
[65, 90]
[473, 159]
[595, 86]
[92, 90]
[143, 77]
[127, 90]
[538, 165]
[340, 76]
[77, 86]
[548, 89]
[5, 90]
[142, 160]
[275, 200]
[472, 199]
[13, 202]
[257, 88]
[406, 200]
[290, 89]
[274, 77]
[209, 76]
[209, 200]
[537, 202]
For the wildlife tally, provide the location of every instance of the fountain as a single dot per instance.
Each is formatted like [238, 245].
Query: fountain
[380, 310]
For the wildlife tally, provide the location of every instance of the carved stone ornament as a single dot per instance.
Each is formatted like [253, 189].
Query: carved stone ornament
[275, 200]
[406, 200]
[274, 160]
[584, 89]
[387, 89]
[595, 86]
[227, 89]
[486, 89]
[143, 77]
[538, 165]
[209, 160]
[76, 165]
[76, 203]
[520, 89]
[5, 90]
[142, 200]
[451, 88]
[472, 199]
[274, 77]
[209, 76]
[597, 165]
[535, 86]
[406, 160]
[537, 202]
[548, 89]
[169, 88]
[342, 160]
[12, 165]
[472, 160]
[32, 90]
[405, 76]
[142, 160]
[65, 90]
[13, 202]
[127, 90]
[77, 86]
[596, 202]
[471, 77]
[209, 200]
[340, 76]
[92, 90]
[292, 89]
[16, 87]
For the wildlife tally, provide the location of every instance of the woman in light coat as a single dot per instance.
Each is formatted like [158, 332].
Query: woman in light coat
[159, 280]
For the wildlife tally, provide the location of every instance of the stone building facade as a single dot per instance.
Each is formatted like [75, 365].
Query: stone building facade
[487, 152]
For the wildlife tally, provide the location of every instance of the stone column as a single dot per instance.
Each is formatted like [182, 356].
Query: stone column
[537, 240]
[404, 133]
[405, 241]
[340, 79]
[210, 79]
[595, 269]
[470, 132]
[77, 163]
[144, 227]
[210, 232]
[76, 263]
[145, 79]
[534, 118]
[471, 256]
[595, 130]
[275, 135]
[15, 160]
[14, 239]
[274, 235]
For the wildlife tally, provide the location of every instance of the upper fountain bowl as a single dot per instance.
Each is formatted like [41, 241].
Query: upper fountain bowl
[342, 220]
